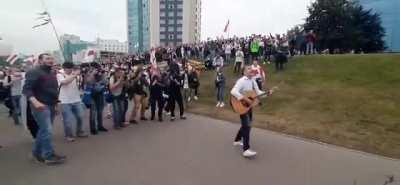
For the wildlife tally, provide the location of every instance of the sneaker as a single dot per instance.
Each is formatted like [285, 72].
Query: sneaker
[37, 158]
[54, 160]
[70, 139]
[167, 113]
[183, 117]
[189, 99]
[82, 135]
[172, 118]
[237, 143]
[93, 132]
[249, 153]
[196, 98]
[62, 157]
[218, 104]
[222, 105]
[143, 119]
[133, 122]
[102, 129]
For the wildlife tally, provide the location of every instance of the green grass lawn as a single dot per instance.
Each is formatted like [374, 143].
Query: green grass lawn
[347, 100]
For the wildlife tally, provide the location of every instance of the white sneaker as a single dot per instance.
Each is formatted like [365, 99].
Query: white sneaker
[222, 105]
[189, 99]
[196, 98]
[218, 104]
[237, 143]
[70, 139]
[249, 153]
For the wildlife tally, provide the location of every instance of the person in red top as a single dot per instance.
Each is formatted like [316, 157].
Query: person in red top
[311, 39]
[259, 74]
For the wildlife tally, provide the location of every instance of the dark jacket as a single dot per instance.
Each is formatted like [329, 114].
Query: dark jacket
[220, 80]
[42, 84]
[193, 80]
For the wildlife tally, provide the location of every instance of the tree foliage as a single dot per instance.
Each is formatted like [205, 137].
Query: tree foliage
[345, 25]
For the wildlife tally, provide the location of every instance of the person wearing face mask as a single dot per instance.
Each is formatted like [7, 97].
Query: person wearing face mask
[41, 89]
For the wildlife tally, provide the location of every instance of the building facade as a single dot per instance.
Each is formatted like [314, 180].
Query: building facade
[138, 25]
[388, 9]
[163, 23]
[111, 45]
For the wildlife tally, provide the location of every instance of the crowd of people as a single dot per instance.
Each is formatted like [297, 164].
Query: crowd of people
[32, 93]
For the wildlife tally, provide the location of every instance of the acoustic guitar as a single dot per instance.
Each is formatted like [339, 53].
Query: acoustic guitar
[242, 107]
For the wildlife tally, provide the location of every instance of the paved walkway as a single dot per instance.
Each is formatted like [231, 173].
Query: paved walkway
[198, 151]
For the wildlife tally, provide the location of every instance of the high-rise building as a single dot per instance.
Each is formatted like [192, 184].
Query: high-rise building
[163, 23]
[138, 25]
[388, 9]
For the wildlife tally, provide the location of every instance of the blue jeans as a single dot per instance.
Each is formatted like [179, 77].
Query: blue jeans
[118, 110]
[69, 112]
[16, 113]
[220, 94]
[96, 113]
[43, 146]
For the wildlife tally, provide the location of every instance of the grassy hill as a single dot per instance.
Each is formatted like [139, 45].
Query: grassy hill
[347, 100]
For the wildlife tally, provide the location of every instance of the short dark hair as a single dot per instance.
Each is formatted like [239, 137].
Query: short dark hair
[68, 65]
[41, 56]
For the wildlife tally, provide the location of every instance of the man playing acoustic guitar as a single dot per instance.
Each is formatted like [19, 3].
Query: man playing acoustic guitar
[244, 85]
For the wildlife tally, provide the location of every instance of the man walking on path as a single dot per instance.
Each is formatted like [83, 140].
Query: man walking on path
[245, 84]
[41, 89]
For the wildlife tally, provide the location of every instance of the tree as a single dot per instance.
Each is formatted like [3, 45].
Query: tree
[345, 25]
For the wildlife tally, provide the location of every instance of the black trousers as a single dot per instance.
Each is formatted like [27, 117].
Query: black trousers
[156, 102]
[244, 131]
[30, 121]
[238, 67]
[259, 83]
[176, 97]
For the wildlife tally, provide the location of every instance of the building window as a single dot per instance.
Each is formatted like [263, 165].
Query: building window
[162, 21]
[170, 14]
[162, 28]
[179, 28]
[170, 36]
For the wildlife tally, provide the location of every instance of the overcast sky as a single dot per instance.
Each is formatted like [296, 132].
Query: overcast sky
[107, 19]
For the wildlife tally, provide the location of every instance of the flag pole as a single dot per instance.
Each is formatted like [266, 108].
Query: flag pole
[54, 28]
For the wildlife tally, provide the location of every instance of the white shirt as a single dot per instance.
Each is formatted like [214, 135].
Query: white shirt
[239, 56]
[16, 85]
[228, 49]
[245, 84]
[69, 93]
[116, 91]
[186, 82]
[258, 71]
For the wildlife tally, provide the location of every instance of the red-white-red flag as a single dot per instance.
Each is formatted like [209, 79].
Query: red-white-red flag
[227, 26]
[12, 59]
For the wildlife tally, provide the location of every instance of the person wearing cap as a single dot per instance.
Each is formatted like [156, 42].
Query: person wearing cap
[71, 106]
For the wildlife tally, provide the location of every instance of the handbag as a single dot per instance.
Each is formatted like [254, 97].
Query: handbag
[87, 97]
